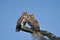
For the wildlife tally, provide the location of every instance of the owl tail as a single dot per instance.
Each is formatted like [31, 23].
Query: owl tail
[38, 28]
[18, 28]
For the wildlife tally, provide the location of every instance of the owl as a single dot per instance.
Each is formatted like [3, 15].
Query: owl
[21, 21]
[33, 22]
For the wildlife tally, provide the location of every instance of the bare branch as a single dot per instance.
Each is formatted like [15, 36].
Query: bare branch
[42, 32]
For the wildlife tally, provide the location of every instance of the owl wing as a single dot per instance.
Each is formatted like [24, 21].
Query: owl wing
[18, 26]
[35, 24]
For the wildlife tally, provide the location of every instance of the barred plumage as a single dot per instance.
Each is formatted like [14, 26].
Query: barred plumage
[32, 22]
[21, 21]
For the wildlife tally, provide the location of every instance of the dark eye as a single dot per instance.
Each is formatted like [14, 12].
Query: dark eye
[29, 15]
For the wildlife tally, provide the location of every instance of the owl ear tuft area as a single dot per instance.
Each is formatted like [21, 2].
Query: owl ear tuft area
[24, 13]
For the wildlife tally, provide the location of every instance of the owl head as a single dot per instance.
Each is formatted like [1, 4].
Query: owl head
[24, 13]
[31, 16]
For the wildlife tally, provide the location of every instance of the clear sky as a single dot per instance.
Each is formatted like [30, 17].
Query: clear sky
[47, 12]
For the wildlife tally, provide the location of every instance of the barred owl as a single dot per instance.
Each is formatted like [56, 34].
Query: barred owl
[21, 21]
[33, 22]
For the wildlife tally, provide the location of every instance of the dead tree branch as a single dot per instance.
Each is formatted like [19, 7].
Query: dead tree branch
[42, 32]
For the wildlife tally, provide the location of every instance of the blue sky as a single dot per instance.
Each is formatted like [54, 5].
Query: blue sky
[47, 12]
